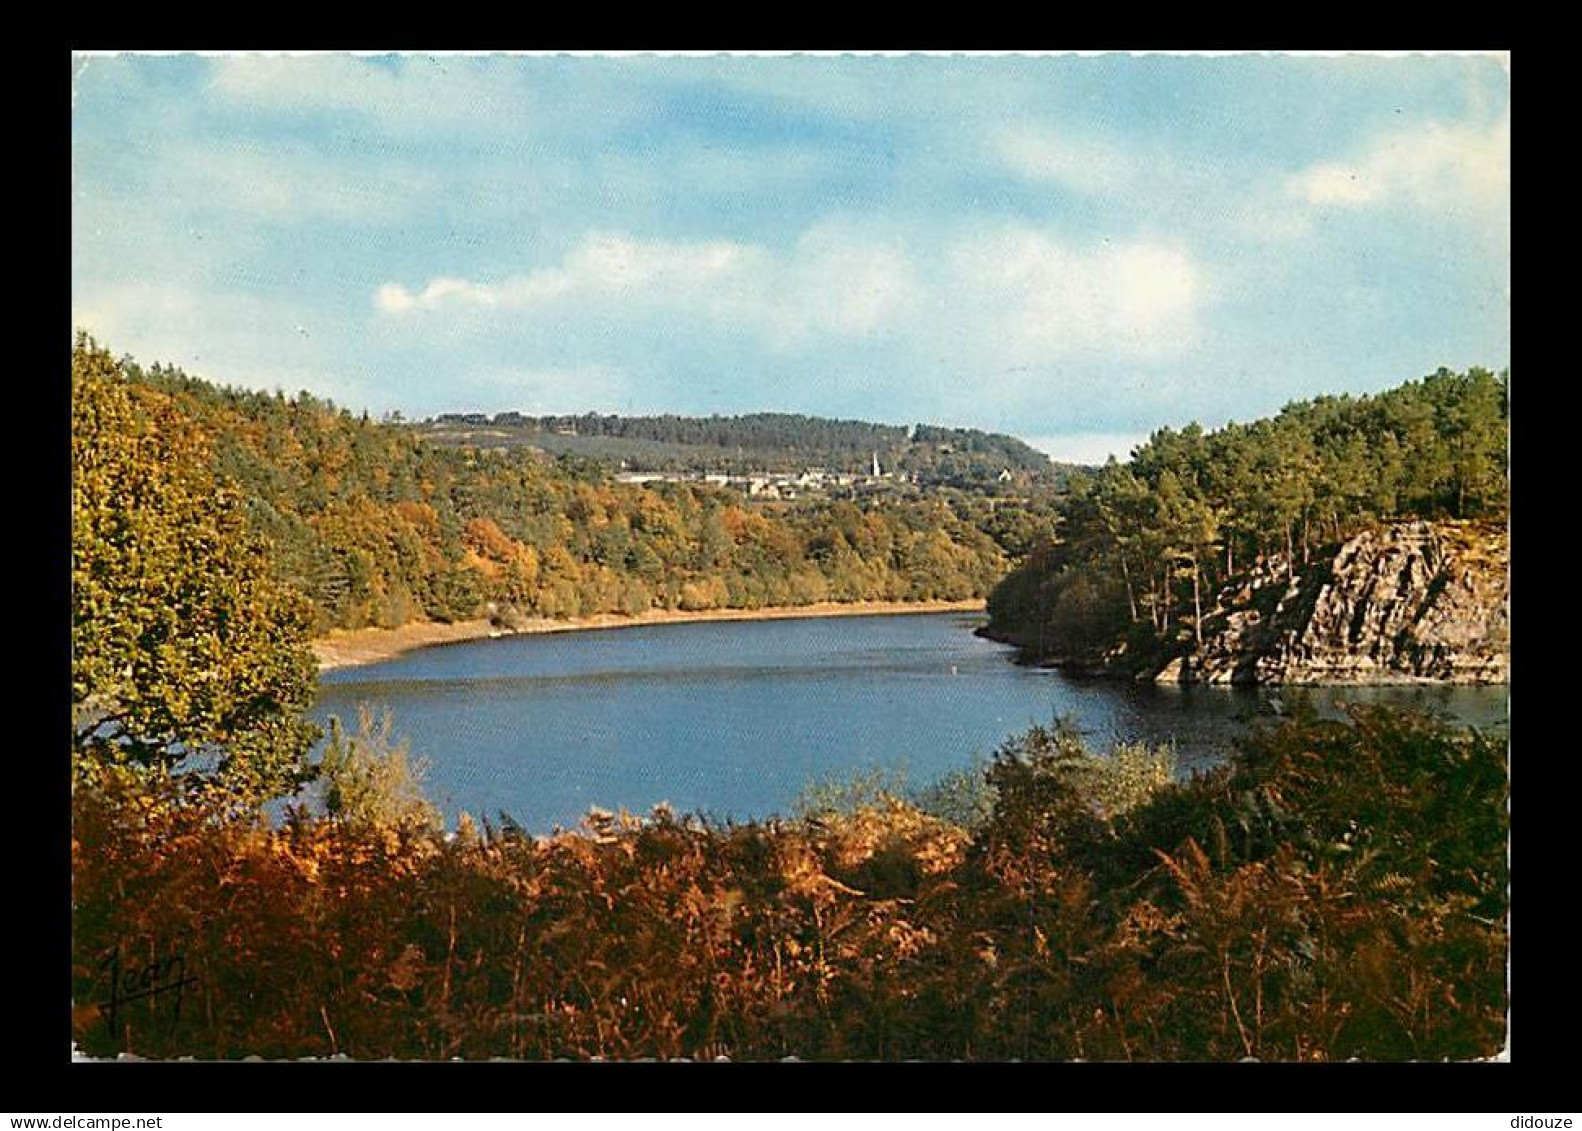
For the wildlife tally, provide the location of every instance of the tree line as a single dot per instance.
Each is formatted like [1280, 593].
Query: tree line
[1147, 544]
[760, 442]
[374, 526]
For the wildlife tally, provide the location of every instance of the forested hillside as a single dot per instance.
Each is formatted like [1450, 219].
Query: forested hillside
[1148, 545]
[767, 441]
[376, 527]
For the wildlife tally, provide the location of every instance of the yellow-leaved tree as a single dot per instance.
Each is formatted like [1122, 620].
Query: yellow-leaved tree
[188, 659]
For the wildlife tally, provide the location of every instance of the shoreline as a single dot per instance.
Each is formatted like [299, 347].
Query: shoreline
[355, 647]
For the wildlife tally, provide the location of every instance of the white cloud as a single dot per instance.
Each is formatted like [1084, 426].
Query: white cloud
[604, 265]
[1447, 172]
[340, 82]
[838, 281]
[1042, 298]
[1334, 184]
[1453, 169]
[1083, 164]
[831, 282]
[1012, 296]
[612, 262]
[394, 299]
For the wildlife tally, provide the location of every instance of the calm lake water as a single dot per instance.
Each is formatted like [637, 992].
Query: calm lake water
[738, 718]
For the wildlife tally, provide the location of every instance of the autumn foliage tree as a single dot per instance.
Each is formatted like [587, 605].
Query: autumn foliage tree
[376, 526]
[186, 656]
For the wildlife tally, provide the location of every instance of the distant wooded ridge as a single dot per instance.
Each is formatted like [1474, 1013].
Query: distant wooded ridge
[756, 441]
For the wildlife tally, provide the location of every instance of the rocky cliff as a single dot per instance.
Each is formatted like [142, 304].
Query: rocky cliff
[1405, 603]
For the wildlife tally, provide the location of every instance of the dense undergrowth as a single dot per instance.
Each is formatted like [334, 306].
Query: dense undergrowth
[1337, 891]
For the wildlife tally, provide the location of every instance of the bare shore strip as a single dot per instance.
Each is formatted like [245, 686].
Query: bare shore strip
[346, 648]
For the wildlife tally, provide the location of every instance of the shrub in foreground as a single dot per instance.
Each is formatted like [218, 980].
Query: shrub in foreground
[1338, 891]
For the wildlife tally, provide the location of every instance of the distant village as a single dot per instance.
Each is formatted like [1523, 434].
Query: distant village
[810, 481]
[789, 485]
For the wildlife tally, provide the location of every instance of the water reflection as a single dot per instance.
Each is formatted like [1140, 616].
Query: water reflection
[737, 718]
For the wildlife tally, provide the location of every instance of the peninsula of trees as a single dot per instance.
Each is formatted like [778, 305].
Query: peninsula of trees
[1155, 554]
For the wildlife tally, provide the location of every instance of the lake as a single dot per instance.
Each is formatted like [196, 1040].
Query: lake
[736, 719]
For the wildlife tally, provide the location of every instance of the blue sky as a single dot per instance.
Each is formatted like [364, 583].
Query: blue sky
[1073, 249]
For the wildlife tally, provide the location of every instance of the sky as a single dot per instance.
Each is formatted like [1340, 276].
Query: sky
[1074, 249]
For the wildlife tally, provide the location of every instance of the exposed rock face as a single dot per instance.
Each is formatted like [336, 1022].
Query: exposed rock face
[1411, 602]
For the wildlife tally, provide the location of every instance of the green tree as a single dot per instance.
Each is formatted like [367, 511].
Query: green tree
[1122, 509]
[1287, 466]
[187, 656]
[1191, 530]
[370, 778]
[1471, 419]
